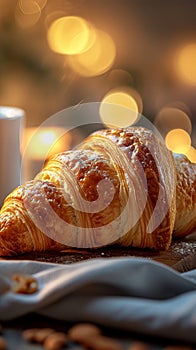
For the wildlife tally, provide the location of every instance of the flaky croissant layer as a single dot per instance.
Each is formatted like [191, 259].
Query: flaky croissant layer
[119, 186]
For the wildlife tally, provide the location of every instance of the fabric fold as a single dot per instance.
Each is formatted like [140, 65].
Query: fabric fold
[132, 294]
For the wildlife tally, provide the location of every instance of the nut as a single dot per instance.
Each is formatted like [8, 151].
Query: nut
[81, 332]
[24, 284]
[100, 342]
[42, 334]
[30, 334]
[55, 341]
[137, 345]
[3, 345]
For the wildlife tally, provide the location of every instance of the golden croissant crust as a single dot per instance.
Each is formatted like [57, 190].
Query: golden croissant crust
[185, 221]
[119, 186]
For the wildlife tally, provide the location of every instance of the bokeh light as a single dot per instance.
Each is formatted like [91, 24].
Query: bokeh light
[29, 7]
[27, 13]
[119, 109]
[178, 141]
[186, 64]
[42, 142]
[52, 16]
[98, 59]
[180, 105]
[191, 154]
[118, 77]
[41, 3]
[70, 35]
[169, 118]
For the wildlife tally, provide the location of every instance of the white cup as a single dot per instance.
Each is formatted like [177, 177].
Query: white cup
[11, 126]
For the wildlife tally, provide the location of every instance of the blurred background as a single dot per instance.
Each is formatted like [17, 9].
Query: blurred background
[138, 53]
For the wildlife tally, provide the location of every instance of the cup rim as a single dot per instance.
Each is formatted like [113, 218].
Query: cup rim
[11, 112]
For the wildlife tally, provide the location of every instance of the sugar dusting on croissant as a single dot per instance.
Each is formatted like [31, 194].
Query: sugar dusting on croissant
[119, 186]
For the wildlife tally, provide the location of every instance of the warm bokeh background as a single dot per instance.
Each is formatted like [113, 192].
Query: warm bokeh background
[149, 49]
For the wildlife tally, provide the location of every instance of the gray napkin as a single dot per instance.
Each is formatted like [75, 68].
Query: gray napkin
[133, 294]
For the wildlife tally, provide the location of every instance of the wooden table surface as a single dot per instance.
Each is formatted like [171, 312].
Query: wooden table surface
[180, 256]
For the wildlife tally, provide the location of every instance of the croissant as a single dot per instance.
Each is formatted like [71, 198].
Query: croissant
[119, 186]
